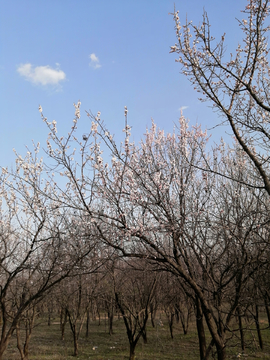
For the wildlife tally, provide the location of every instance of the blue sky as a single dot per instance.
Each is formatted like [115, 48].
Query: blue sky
[107, 53]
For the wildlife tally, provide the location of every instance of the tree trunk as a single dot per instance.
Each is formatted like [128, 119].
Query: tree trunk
[19, 346]
[87, 323]
[93, 311]
[171, 318]
[221, 353]
[76, 347]
[200, 329]
[110, 320]
[241, 328]
[216, 336]
[5, 336]
[75, 341]
[184, 320]
[258, 327]
[144, 336]
[28, 332]
[3, 347]
[131, 351]
[267, 309]
[29, 323]
[153, 311]
[63, 321]
[50, 312]
[49, 318]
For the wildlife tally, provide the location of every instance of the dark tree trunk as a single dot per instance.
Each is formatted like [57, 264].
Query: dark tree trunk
[5, 335]
[266, 299]
[177, 313]
[63, 321]
[28, 324]
[93, 311]
[73, 327]
[24, 350]
[87, 323]
[49, 319]
[221, 353]
[144, 336]
[184, 321]
[153, 311]
[133, 335]
[132, 351]
[23, 355]
[200, 329]
[257, 321]
[241, 328]
[171, 320]
[216, 333]
[3, 347]
[110, 319]
[75, 341]
[170, 317]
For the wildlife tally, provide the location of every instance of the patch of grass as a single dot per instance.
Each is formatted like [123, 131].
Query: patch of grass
[46, 344]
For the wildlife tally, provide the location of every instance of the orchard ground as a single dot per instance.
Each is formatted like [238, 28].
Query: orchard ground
[46, 343]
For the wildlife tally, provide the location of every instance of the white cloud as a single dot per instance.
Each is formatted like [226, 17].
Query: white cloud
[41, 75]
[94, 63]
